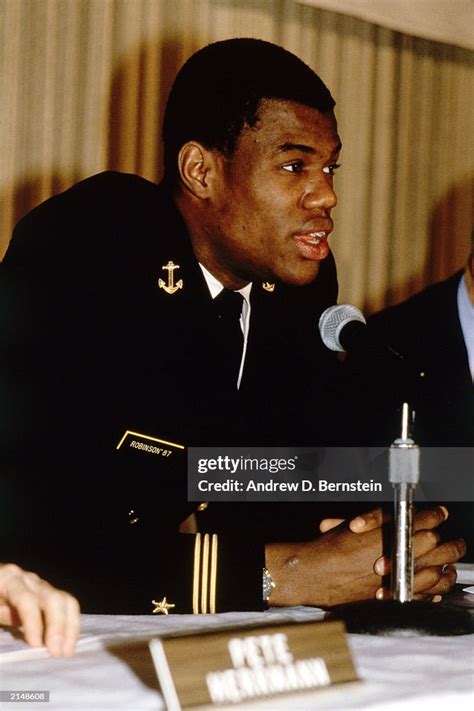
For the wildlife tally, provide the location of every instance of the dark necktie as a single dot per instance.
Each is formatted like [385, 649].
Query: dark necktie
[229, 309]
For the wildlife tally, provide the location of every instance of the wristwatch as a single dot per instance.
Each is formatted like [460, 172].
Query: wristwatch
[268, 584]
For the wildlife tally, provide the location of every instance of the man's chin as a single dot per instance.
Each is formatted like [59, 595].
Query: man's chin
[300, 276]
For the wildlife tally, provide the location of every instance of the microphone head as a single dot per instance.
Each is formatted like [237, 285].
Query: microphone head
[333, 320]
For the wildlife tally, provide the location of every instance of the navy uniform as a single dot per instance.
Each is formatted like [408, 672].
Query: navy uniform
[113, 363]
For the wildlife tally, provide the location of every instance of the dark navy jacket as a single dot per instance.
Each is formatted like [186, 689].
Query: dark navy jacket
[92, 348]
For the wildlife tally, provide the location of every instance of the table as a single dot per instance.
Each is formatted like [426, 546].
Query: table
[113, 669]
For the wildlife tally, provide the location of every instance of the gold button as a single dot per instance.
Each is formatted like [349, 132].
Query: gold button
[203, 506]
[133, 517]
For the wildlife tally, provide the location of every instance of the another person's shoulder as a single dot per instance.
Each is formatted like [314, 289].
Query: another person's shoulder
[420, 311]
[424, 325]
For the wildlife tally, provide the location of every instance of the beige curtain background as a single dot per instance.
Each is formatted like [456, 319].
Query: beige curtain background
[83, 85]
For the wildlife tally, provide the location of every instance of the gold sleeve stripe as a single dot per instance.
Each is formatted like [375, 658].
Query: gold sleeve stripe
[196, 572]
[212, 592]
[205, 574]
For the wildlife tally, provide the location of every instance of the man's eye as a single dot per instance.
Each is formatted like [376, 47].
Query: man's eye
[331, 169]
[295, 167]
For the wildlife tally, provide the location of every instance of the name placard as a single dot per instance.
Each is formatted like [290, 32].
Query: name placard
[248, 664]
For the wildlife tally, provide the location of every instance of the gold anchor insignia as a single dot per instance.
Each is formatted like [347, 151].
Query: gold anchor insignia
[268, 286]
[170, 287]
[162, 606]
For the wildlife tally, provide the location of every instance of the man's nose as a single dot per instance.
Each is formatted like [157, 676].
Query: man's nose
[320, 195]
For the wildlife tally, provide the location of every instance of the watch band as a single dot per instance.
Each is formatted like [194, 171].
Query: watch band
[268, 584]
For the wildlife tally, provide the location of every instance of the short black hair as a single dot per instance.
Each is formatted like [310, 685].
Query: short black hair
[219, 90]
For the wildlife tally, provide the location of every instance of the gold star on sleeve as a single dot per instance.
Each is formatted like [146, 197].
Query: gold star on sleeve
[162, 606]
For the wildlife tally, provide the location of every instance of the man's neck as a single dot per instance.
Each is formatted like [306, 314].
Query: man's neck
[194, 216]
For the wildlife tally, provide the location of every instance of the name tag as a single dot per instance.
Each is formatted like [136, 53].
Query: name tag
[253, 663]
[148, 444]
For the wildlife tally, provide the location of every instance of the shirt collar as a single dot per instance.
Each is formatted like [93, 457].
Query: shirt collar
[215, 287]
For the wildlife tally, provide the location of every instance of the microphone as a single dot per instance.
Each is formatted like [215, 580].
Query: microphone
[344, 328]
[335, 320]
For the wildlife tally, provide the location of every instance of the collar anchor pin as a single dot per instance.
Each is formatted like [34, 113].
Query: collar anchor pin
[170, 287]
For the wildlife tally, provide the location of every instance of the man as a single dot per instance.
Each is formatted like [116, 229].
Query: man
[113, 291]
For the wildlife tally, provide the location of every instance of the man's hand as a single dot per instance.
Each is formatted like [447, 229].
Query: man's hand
[48, 615]
[345, 566]
[435, 573]
[335, 568]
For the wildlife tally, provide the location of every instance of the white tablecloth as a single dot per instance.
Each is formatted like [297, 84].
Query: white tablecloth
[112, 668]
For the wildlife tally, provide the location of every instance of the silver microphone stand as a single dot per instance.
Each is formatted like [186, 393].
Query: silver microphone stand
[404, 474]
[403, 616]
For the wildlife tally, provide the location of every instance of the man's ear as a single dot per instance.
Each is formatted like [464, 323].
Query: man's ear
[197, 166]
